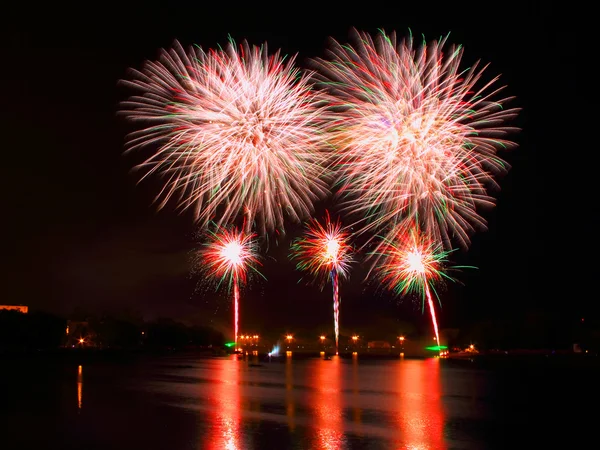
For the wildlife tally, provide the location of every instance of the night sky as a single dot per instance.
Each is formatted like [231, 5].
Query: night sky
[81, 233]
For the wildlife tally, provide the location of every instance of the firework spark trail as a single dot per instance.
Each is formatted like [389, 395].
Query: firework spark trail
[411, 263]
[229, 255]
[324, 252]
[236, 307]
[416, 139]
[234, 132]
[336, 307]
[433, 316]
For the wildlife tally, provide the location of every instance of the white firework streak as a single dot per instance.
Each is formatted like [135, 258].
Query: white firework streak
[238, 132]
[416, 141]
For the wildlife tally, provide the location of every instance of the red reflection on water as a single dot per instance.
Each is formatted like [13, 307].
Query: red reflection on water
[420, 410]
[290, 407]
[226, 407]
[356, 410]
[327, 404]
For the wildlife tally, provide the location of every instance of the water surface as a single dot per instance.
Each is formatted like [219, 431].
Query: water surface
[191, 402]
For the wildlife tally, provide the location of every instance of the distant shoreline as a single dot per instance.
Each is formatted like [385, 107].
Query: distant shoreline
[483, 360]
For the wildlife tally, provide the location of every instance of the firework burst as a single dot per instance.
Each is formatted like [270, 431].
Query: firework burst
[413, 263]
[235, 132]
[229, 256]
[417, 140]
[324, 252]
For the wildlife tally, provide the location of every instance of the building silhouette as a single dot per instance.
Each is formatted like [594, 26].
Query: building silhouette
[21, 308]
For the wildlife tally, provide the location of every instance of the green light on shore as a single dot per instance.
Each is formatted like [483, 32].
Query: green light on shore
[436, 348]
[230, 344]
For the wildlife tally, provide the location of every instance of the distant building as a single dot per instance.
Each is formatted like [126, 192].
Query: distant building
[379, 345]
[79, 334]
[21, 308]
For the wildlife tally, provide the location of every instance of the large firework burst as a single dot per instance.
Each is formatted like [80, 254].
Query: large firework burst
[417, 140]
[324, 252]
[234, 132]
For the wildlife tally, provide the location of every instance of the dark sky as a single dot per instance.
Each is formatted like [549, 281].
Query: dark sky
[81, 233]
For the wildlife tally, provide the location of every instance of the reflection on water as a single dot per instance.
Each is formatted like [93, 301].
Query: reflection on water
[79, 386]
[226, 406]
[190, 402]
[420, 413]
[356, 407]
[289, 394]
[327, 403]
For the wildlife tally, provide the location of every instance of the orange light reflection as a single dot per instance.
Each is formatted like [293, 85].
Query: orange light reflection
[79, 387]
[420, 409]
[356, 410]
[290, 405]
[226, 417]
[327, 404]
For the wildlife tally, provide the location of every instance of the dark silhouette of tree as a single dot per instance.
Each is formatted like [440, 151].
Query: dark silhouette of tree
[32, 331]
[167, 333]
[118, 333]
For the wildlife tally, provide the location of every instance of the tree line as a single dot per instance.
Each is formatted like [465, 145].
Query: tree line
[40, 330]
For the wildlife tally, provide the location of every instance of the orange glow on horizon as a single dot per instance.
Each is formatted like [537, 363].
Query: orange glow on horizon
[20, 308]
